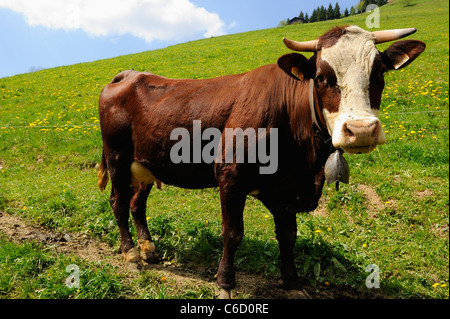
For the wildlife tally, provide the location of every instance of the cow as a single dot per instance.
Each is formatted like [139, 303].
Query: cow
[319, 105]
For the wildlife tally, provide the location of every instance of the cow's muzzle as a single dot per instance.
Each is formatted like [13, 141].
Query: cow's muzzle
[360, 136]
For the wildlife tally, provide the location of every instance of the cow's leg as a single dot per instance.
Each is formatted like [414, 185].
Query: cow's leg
[120, 204]
[121, 191]
[138, 209]
[286, 233]
[232, 231]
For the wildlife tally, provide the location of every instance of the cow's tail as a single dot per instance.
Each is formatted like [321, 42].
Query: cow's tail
[102, 175]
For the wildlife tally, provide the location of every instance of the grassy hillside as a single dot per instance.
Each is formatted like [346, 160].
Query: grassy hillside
[50, 143]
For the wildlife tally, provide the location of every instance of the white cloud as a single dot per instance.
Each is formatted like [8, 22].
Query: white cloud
[147, 19]
[232, 25]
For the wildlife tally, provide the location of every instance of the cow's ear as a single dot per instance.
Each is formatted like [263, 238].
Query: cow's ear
[402, 53]
[297, 66]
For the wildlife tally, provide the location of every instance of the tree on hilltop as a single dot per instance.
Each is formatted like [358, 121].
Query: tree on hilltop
[337, 11]
[322, 14]
[330, 13]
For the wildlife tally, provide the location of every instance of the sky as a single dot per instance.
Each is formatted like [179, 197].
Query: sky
[36, 34]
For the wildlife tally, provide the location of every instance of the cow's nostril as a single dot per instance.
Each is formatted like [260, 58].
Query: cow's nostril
[376, 130]
[348, 132]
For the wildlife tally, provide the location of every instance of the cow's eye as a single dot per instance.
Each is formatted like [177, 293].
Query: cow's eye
[320, 78]
[332, 83]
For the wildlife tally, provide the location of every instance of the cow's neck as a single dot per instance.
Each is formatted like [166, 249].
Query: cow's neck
[318, 122]
[314, 139]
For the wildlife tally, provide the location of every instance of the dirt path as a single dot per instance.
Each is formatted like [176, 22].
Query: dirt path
[250, 285]
[94, 251]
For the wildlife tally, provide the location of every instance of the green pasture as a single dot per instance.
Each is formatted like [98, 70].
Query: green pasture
[50, 143]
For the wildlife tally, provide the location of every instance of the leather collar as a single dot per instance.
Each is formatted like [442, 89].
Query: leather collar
[319, 126]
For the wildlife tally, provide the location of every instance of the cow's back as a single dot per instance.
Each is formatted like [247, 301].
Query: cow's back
[138, 112]
[145, 108]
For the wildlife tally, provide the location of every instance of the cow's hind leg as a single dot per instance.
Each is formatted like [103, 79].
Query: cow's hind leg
[138, 209]
[120, 204]
[121, 192]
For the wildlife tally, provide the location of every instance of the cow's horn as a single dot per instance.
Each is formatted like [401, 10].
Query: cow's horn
[307, 46]
[391, 35]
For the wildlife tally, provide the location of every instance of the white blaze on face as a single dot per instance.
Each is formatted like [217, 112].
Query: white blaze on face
[352, 59]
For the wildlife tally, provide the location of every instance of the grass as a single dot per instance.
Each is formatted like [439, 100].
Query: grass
[31, 271]
[50, 144]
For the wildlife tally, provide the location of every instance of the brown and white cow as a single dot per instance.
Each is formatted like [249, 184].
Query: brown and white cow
[327, 102]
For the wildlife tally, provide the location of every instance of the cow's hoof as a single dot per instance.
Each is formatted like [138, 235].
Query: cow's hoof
[150, 257]
[131, 259]
[131, 256]
[297, 294]
[148, 252]
[224, 294]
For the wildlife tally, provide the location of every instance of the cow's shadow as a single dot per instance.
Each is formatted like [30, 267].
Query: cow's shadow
[327, 271]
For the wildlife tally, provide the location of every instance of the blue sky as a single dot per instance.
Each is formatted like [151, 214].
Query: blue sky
[49, 33]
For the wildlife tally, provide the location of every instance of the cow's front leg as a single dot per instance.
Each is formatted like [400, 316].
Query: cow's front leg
[286, 232]
[232, 231]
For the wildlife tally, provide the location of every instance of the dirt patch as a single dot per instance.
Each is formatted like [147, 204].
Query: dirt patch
[248, 285]
[321, 210]
[81, 245]
[374, 202]
[425, 193]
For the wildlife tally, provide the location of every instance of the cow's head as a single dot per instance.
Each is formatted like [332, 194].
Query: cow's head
[348, 73]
